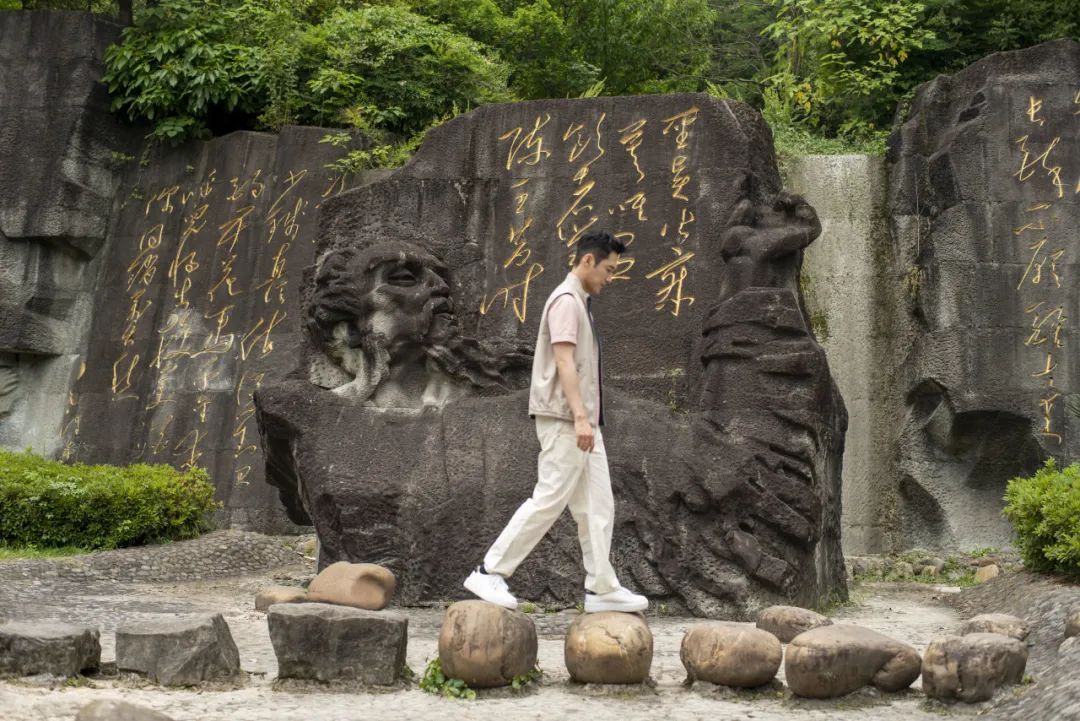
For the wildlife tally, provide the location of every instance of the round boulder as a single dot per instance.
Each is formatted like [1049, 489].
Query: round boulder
[360, 585]
[486, 645]
[835, 660]
[970, 668]
[609, 647]
[730, 654]
[787, 622]
[985, 573]
[1002, 623]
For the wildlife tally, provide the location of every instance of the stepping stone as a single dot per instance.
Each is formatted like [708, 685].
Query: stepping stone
[971, 668]
[267, 597]
[835, 660]
[609, 648]
[179, 652]
[730, 654]
[486, 645]
[109, 710]
[58, 649]
[1002, 623]
[324, 642]
[360, 585]
[787, 622]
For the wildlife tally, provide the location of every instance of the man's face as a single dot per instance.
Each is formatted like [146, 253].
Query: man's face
[597, 275]
[409, 304]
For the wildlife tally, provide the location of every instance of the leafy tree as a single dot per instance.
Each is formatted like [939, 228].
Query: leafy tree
[382, 68]
[838, 61]
[178, 65]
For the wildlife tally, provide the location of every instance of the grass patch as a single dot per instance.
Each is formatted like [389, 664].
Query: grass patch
[8, 552]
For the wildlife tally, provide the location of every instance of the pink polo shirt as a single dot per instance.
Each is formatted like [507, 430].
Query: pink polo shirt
[563, 325]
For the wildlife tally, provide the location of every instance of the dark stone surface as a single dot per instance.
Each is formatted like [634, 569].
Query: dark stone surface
[58, 141]
[725, 430]
[984, 244]
[179, 652]
[59, 649]
[322, 642]
[198, 306]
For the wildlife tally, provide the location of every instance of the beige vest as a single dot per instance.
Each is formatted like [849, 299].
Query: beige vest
[546, 397]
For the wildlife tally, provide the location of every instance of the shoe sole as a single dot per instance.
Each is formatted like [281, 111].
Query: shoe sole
[480, 595]
[600, 607]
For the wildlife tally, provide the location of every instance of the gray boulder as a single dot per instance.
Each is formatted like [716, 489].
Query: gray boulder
[834, 660]
[324, 642]
[112, 710]
[179, 652]
[730, 654]
[787, 622]
[59, 649]
[971, 668]
[1002, 623]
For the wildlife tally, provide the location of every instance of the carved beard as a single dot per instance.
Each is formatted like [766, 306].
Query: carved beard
[495, 364]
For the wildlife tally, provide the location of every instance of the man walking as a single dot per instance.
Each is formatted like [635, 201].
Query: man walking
[566, 399]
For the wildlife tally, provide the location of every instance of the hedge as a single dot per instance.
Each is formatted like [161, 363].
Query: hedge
[1045, 512]
[47, 503]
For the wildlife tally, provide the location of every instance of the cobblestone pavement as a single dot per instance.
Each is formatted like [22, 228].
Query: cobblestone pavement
[910, 612]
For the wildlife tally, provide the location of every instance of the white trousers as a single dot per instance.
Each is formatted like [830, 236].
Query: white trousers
[566, 475]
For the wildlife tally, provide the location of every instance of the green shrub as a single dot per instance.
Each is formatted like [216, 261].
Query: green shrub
[47, 504]
[1045, 511]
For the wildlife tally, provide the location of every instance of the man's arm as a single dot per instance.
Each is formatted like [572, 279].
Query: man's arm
[568, 380]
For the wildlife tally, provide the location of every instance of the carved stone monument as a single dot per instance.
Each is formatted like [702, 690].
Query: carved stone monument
[404, 435]
[983, 180]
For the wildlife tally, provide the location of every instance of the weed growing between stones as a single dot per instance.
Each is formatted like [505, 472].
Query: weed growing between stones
[524, 679]
[434, 681]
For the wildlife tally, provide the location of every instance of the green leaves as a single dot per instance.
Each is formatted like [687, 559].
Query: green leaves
[436, 682]
[50, 504]
[837, 61]
[1045, 512]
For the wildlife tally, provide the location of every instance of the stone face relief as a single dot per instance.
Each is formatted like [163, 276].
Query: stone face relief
[983, 174]
[404, 436]
[383, 323]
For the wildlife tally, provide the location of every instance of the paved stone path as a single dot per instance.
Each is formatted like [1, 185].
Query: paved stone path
[908, 612]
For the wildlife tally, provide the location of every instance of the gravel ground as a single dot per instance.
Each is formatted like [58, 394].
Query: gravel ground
[915, 613]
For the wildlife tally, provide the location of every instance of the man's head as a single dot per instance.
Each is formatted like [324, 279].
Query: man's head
[597, 258]
[392, 296]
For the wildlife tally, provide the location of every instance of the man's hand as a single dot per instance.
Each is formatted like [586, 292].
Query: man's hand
[586, 437]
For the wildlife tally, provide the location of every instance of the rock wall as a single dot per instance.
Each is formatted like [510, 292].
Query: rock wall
[57, 181]
[724, 428]
[983, 175]
[145, 292]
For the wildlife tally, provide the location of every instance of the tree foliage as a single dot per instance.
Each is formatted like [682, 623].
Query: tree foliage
[391, 68]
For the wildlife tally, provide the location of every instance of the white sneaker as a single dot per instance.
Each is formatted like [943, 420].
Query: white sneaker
[618, 600]
[491, 588]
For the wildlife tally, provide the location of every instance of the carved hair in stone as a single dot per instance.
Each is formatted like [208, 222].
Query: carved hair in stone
[382, 322]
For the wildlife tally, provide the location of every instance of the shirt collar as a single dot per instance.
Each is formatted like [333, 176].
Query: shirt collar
[575, 283]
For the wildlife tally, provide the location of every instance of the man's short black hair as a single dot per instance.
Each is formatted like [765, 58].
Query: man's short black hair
[599, 245]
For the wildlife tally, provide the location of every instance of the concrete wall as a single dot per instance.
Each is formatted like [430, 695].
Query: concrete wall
[847, 283]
